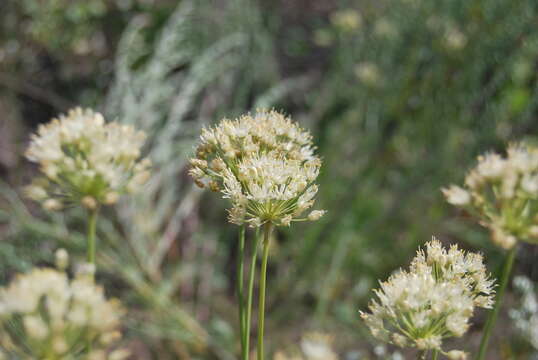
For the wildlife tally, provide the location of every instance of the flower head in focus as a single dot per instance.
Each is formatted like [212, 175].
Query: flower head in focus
[44, 314]
[502, 194]
[432, 301]
[264, 163]
[86, 161]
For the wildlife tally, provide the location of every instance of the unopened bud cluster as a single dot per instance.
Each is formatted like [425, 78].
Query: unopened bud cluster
[432, 301]
[502, 193]
[264, 163]
[86, 161]
[45, 315]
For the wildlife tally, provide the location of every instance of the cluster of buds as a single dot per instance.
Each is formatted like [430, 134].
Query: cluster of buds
[502, 193]
[432, 301]
[86, 161]
[264, 163]
[45, 315]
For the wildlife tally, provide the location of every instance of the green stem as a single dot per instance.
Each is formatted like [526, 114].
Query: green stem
[422, 355]
[240, 262]
[435, 354]
[492, 317]
[263, 276]
[92, 222]
[250, 290]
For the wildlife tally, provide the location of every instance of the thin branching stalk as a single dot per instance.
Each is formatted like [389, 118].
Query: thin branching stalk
[240, 266]
[250, 290]
[263, 276]
[435, 354]
[92, 223]
[507, 269]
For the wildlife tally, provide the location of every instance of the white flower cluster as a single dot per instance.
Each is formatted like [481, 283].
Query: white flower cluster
[44, 315]
[85, 160]
[502, 192]
[525, 316]
[432, 301]
[313, 346]
[264, 163]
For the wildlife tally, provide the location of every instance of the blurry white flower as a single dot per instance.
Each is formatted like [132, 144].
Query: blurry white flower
[433, 300]
[455, 39]
[525, 316]
[57, 314]
[368, 73]
[456, 195]
[502, 193]
[346, 20]
[85, 160]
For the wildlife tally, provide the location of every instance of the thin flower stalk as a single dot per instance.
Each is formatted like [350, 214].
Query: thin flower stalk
[250, 292]
[492, 317]
[240, 296]
[263, 278]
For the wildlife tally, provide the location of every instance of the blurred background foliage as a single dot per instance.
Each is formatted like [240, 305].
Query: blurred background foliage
[401, 97]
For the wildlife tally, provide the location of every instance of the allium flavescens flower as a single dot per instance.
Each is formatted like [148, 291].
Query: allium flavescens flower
[264, 163]
[502, 193]
[432, 301]
[45, 315]
[85, 160]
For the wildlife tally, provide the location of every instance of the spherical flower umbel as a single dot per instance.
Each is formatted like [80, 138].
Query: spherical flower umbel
[432, 301]
[264, 163]
[86, 161]
[502, 194]
[45, 315]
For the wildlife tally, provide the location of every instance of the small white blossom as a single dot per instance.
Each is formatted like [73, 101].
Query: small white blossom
[456, 195]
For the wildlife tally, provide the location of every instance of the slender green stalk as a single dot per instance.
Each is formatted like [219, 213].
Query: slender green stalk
[240, 265]
[435, 354]
[492, 317]
[263, 277]
[92, 223]
[90, 256]
[250, 290]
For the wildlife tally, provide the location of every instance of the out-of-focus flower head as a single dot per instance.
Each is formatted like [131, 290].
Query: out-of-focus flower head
[525, 315]
[313, 346]
[44, 314]
[432, 301]
[368, 74]
[86, 161]
[502, 194]
[264, 163]
[346, 19]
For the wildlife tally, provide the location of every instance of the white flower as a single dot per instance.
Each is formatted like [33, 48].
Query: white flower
[502, 193]
[84, 160]
[264, 163]
[433, 300]
[52, 309]
[456, 195]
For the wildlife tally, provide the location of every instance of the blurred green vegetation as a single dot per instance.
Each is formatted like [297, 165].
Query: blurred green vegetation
[401, 97]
